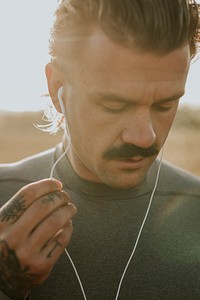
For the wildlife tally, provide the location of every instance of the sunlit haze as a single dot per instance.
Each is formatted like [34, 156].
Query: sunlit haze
[24, 31]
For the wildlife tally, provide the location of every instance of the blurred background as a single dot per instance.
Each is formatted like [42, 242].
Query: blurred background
[24, 31]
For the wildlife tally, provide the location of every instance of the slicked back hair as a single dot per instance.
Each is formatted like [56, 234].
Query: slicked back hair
[158, 26]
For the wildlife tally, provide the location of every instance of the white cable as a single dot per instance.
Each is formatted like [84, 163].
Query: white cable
[67, 134]
[141, 228]
[57, 161]
[138, 237]
[77, 275]
[136, 243]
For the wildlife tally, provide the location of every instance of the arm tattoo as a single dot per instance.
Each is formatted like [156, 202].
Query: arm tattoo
[15, 281]
[12, 210]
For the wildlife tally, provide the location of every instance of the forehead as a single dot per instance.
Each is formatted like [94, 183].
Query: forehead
[100, 63]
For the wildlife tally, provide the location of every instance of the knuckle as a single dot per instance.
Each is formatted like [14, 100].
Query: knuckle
[72, 207]
[55, 221]
[70, 211]
[56, 197]
[67, 212]
[57, 202]
[37, 189]
[67, 234]
[31, 260]
[61, 218]
[38, 266]
[23, 256]
[67, 229]
[65, 196]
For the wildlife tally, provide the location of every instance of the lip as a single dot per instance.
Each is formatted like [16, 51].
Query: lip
[131, 163]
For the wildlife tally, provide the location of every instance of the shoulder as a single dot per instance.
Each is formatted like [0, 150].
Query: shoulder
[176, 180]
[29, 169]
[13, 176]
[176, 211]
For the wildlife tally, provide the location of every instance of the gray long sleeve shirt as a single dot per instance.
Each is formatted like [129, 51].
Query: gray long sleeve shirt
[166, 264]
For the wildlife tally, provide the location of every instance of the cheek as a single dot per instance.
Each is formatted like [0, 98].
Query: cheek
[163, 126]
[87, 135]
[88, 123]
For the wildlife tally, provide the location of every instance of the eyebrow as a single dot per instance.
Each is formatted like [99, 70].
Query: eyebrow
[112, 97]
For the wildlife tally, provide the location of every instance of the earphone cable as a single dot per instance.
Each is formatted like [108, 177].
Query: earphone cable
[138, 237]
[77, 275]
[140, 231]
[141, 228]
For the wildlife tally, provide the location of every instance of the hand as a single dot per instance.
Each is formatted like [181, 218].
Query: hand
[35, 228]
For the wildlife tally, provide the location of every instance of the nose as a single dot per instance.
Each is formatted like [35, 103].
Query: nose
[139, 130]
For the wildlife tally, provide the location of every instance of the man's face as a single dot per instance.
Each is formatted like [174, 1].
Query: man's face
[119, 98]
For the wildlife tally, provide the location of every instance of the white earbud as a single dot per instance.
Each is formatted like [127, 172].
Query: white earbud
[61, 100]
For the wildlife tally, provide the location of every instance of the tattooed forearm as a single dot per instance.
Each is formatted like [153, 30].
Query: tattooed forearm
[13, 209]
[15, 281]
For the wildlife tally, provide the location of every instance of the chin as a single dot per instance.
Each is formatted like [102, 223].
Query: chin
[125, 182]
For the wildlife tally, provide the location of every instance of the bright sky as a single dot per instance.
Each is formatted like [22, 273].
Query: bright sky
[24, 32]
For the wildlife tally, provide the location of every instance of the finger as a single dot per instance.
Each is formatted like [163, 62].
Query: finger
[41, 210]
[18, 204]
[31, 251]
[52, 226]
[42, 260]
[54, 249]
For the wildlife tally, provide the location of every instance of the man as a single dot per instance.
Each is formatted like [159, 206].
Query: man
[117, 72]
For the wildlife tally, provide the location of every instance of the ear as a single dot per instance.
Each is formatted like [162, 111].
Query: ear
[54, 82]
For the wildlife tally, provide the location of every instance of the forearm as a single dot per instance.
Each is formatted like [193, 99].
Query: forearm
[3, 296]
[8, 294]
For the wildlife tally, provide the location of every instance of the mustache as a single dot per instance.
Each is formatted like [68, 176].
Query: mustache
[128, 151]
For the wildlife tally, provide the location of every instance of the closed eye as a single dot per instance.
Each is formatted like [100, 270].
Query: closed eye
[114, 107]
[166, 106]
